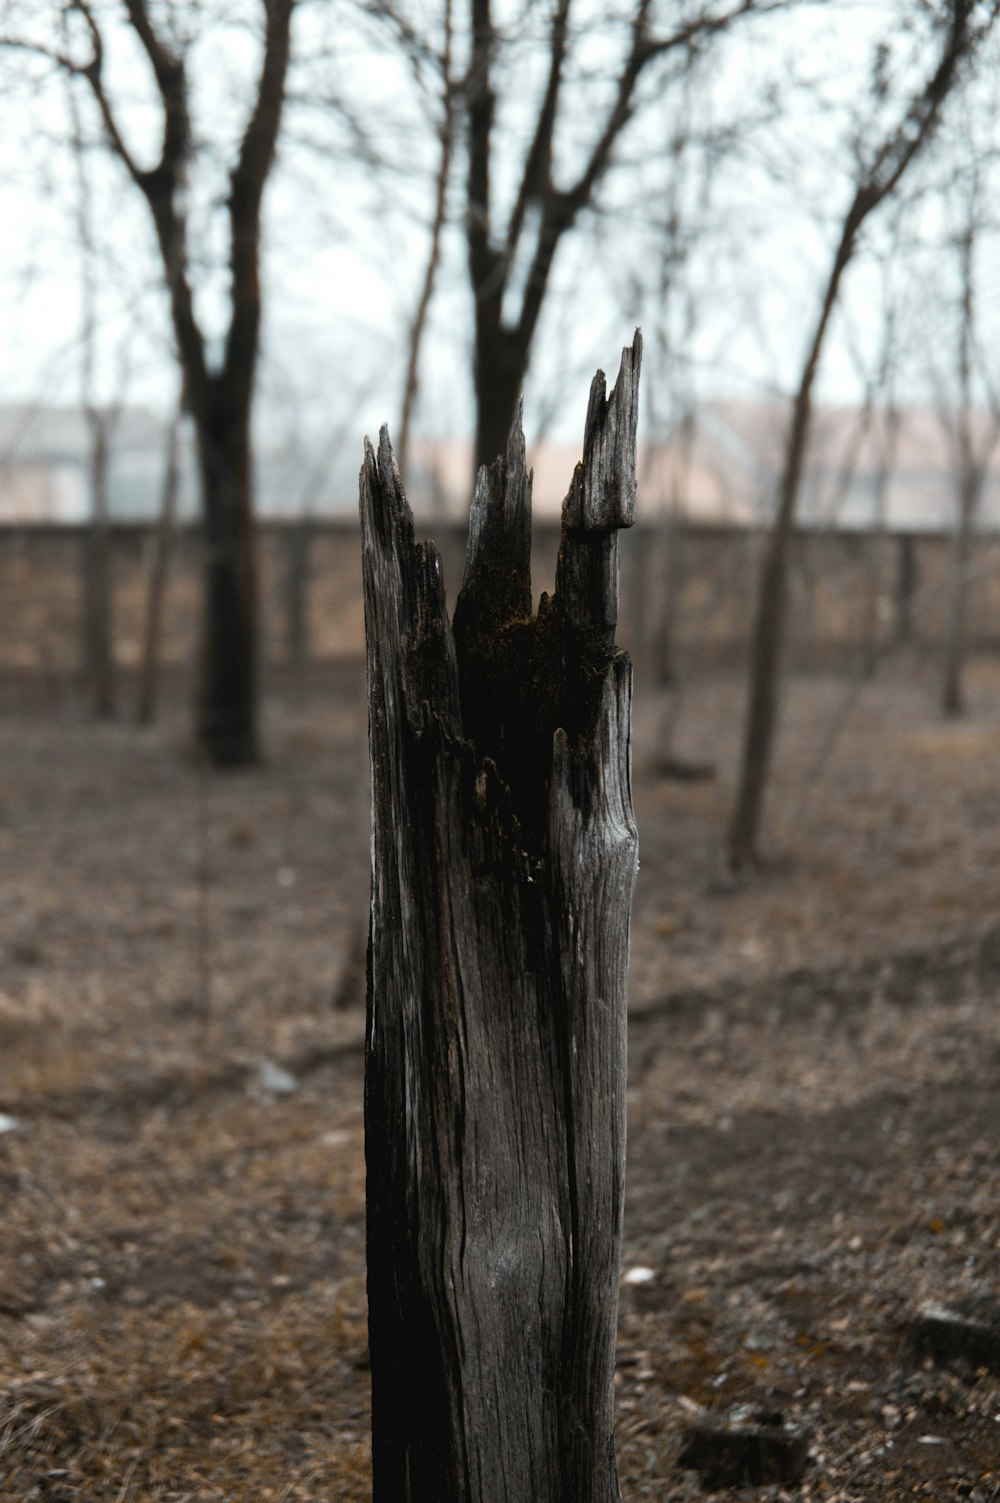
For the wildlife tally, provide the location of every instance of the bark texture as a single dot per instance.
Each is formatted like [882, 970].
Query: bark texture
[504, 857]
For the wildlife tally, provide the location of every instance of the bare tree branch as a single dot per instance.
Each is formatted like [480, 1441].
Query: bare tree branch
[246, 191]
[447, 138]
[536, 180]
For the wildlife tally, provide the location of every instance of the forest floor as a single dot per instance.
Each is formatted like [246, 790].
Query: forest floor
[814, 1146]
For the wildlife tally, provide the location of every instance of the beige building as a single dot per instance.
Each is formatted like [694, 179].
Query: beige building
[720, 469]
[45, 464]
[862, 472]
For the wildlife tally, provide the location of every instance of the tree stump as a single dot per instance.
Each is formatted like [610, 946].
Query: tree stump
[504, 858]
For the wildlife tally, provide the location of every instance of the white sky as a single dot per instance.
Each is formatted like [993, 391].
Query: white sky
[344, 254]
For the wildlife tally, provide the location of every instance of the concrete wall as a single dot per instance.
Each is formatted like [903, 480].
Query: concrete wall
[684, 596]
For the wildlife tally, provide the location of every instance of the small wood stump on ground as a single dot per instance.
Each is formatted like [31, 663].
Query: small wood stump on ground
[746, 1448]
[504, 857]
[964, 1335]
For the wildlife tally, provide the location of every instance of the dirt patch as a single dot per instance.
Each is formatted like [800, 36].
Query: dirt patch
[815, 1072]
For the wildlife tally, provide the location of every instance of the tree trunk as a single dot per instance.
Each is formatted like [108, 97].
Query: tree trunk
[952, 697]
[298, 546]
[500, 368]
[226, 722]
[875, 552]
[98, 629]
[885, 172]
[772, 592]
[504, 856]
[765, 654]
[871, 569]
[149, 672]
[970, 471]
[669, 566]
[906, 585]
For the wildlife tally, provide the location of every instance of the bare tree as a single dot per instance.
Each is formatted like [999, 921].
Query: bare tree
[959, 23]
[219, 390]
[510, 268]
[673, 405]
[885, 431]
[971, 449]
[95, 560]
[152, 640]
[446, 143]
[96, 566]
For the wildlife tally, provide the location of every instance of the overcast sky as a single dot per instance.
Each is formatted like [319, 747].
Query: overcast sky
[345, 248]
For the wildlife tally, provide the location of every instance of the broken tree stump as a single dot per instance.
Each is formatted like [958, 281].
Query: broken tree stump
[503, 862]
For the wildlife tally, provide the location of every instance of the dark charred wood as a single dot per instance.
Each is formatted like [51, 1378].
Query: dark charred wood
[504, 856]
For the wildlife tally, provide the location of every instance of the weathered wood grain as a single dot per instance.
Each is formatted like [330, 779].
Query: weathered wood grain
[503, 861]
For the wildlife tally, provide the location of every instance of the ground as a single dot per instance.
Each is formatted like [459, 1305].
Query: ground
[815, 1063]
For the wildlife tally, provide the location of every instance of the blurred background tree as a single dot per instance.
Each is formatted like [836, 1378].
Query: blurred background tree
[379, 206]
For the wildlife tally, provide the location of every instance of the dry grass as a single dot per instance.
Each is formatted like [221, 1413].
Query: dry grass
[815, 1063]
